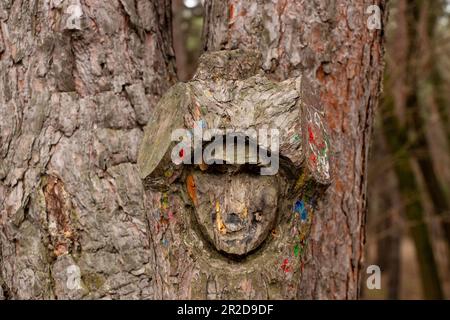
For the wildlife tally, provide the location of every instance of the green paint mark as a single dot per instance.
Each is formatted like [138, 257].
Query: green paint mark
[296, 249]
[296, 138]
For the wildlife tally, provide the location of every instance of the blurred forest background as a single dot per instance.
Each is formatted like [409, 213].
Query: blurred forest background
[408, 222]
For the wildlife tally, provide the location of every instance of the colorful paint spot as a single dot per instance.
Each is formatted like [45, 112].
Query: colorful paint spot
[164, 201]
[285, 266]
[168, 173]
[311, 135]
[318, 145]
[296, 138]
[220, 225]
[191, 189]
[299, 207]
[296, 250]
[200, 124]
[313, 159]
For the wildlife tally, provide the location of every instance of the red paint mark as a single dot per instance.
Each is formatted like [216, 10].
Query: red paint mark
[231, 11]
[311, 135]
[181, 153]
[313, 158]
[285, 266]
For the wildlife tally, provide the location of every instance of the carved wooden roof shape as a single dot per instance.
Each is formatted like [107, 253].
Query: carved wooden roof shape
[229, 92]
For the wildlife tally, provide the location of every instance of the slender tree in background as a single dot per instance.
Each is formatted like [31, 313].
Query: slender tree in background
[384, 214]
[405, 130]
[423, 82]
[78, 83]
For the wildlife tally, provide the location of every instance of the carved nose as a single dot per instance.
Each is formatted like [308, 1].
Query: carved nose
[233, 222]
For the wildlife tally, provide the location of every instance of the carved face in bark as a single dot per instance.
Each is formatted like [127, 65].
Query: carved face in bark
[236, 210]
[228, 216]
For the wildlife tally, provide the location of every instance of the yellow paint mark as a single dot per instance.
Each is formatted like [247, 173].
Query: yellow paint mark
[220, 225]
[164, 201]
[300, 181]
[68, 233]
[244, 213]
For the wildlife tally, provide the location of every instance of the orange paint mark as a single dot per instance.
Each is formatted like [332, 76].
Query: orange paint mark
[191, 189]
[197, 112]
[60, 250]
[231, 11]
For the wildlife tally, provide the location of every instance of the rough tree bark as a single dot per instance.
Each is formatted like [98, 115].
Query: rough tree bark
[75, 219]
[330, 43]
[78, 81]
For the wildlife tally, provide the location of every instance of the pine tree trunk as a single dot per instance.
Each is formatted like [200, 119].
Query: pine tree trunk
[330, 43]
[76, 220]
[78, 81]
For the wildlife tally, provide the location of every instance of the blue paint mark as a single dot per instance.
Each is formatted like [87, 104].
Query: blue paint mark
[299, 207]
[165, 242]
[201, 124]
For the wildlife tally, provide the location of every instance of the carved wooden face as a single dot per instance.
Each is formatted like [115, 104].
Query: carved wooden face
[235, 208]
[263, 221]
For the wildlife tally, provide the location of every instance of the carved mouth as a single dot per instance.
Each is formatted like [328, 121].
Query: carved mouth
[233, 222]
[240, 233]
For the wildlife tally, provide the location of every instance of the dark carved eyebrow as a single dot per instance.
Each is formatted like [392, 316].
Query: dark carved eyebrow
[252, 150]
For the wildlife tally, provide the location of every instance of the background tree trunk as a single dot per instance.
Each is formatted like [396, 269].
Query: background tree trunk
[76, 88]
[330, 43]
